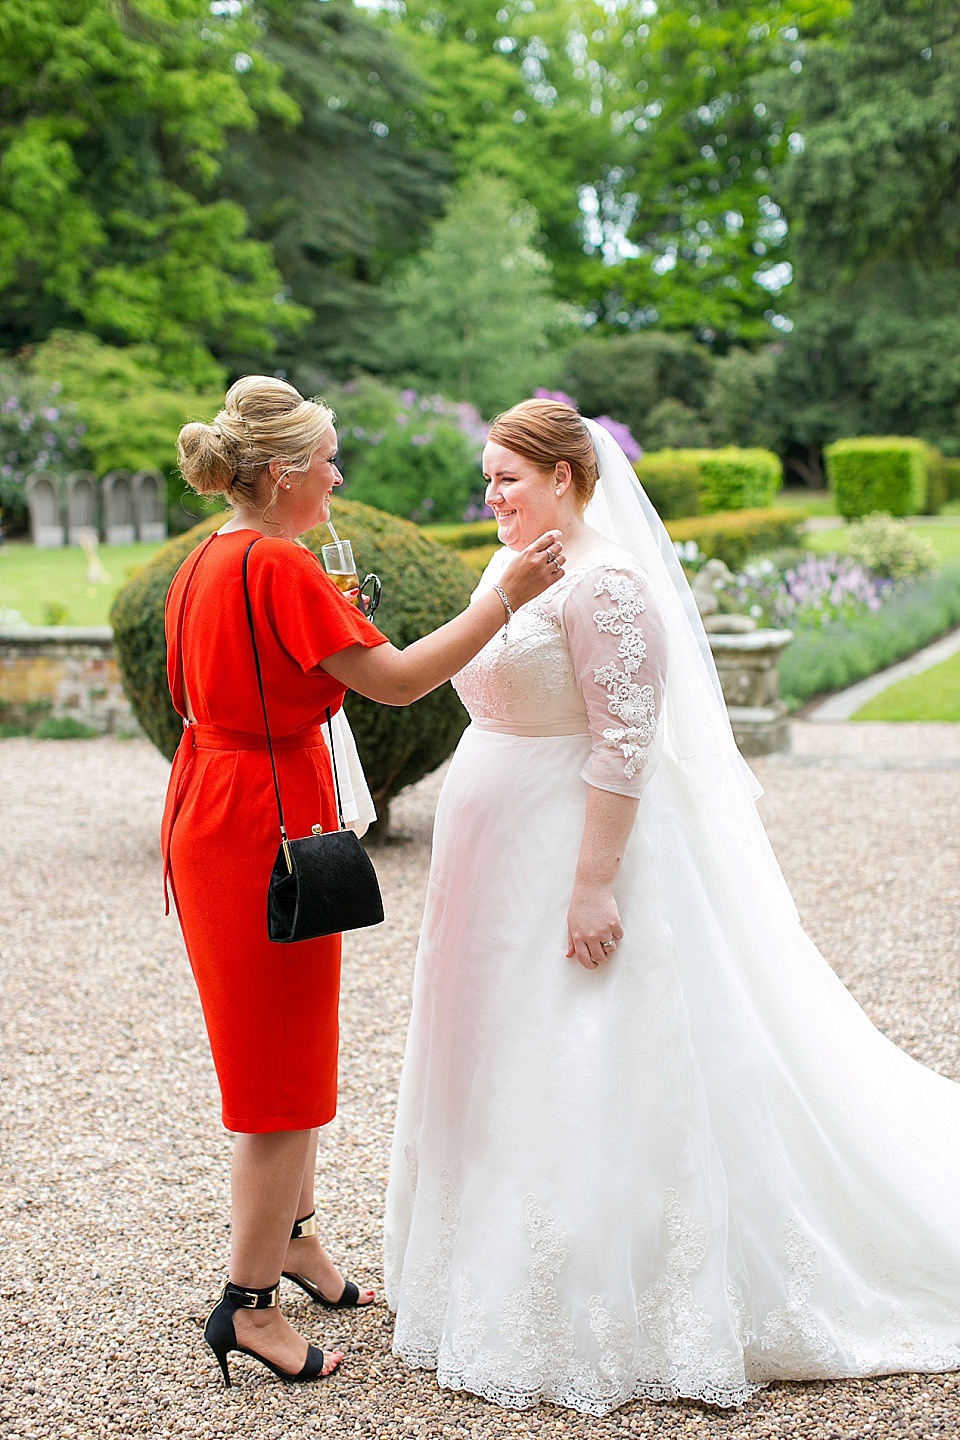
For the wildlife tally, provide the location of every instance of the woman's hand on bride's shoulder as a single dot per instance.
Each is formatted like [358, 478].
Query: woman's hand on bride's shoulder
[593, 925]
[534, 569]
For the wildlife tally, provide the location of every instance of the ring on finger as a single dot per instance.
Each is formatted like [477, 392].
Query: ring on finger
[608, 944]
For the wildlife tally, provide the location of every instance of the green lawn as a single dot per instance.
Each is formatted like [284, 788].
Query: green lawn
[934, 695]
[945, 538]
[50, 586]
[811, 502]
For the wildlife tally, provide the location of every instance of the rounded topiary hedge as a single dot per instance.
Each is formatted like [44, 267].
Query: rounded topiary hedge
[424, 585]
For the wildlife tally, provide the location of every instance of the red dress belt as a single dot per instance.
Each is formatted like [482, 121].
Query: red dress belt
[217, 737]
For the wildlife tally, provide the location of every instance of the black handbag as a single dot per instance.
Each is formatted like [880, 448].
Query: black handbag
[325, 882]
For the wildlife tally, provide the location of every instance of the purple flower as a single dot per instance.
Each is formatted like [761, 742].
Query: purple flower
[408, 397]
[561, 397]
[421, 440]
[621, 433]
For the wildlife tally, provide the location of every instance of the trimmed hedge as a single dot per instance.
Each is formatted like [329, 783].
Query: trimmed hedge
[731, 537]
[951, 476]
[466, 536]
[728, 479]
[895, 473]
[821, 660]
[672, 482]
[735, 536]
[424, 585]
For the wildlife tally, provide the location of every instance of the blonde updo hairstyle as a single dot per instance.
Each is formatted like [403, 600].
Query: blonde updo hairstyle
[545, 431]
[262, 419]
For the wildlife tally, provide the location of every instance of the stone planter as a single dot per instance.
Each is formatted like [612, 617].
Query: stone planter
[747, 667]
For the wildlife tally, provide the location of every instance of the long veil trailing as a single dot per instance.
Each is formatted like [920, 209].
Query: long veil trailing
[696, 736]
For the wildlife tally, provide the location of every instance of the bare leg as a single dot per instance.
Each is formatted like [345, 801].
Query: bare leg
[307, 1256]
[268, 1173]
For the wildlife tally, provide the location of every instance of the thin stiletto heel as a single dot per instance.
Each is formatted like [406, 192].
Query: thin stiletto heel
[221, 1335]
[350, 1295]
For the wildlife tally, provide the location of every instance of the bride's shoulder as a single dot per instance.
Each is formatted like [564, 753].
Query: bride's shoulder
[602, 557]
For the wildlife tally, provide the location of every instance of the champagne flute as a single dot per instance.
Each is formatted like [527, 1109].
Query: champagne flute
[340, 565]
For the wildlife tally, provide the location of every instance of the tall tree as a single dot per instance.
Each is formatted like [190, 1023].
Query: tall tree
[351, 189]
[686, 209]
[475, 310]
[872, 192]
[114, 118]
[508, 93]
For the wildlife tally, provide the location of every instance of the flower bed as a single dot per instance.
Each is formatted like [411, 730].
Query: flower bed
[830, 657]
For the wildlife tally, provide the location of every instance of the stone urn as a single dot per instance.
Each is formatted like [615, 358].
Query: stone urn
[747, 666]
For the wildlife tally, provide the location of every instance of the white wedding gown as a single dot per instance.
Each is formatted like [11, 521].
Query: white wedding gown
[692, 1171]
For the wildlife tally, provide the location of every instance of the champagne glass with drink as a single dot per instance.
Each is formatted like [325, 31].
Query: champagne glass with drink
[340, 565]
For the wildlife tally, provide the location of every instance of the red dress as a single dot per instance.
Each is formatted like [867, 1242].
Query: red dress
[270, 1010]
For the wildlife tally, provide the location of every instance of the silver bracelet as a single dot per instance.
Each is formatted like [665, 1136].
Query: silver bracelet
[507, 606]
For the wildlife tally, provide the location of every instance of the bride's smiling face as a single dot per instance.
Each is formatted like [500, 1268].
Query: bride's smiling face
[522, 496]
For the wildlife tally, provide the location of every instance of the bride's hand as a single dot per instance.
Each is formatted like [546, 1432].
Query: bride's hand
[534, 569]
[593, 925]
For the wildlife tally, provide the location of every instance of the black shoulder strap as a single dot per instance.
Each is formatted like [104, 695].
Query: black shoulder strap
[273, 764]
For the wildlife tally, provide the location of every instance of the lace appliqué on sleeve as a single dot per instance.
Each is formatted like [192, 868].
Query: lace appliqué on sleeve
[634, 705]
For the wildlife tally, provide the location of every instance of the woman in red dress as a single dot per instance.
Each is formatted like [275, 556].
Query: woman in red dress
[270, 1009]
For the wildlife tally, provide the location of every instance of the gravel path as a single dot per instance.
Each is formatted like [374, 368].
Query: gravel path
[113, 1166]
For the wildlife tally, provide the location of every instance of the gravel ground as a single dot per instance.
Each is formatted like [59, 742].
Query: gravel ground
[113, 1168]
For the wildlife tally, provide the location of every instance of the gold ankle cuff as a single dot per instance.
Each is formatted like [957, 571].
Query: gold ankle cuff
[306, 1226]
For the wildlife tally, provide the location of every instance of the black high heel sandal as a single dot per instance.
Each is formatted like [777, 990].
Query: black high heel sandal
[221, 1336]
[351, 1293]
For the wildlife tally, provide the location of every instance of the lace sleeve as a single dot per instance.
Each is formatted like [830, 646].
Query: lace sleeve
[618, 649]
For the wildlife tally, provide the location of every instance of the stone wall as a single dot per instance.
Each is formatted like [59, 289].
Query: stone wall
[63, 672]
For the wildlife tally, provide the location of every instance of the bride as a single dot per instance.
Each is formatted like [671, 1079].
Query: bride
[647, 1144]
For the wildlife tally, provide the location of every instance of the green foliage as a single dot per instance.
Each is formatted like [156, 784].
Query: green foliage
[870, 190]
[820, 660]
[420, 474]
[695, 149]
[671, 425]
[348, 191]
[424, 585]
[508, 92]
[742, 405]
[468, 536]
[672, 481]
[950, 470]
[410, 454]
[132, 412]
[474, 312]
[728, 479]
[38, 431]
[63, 727]
[628, 376]
[890, 548]
[737, 479]
[735, 536]
[113, 126]
[873, 473]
